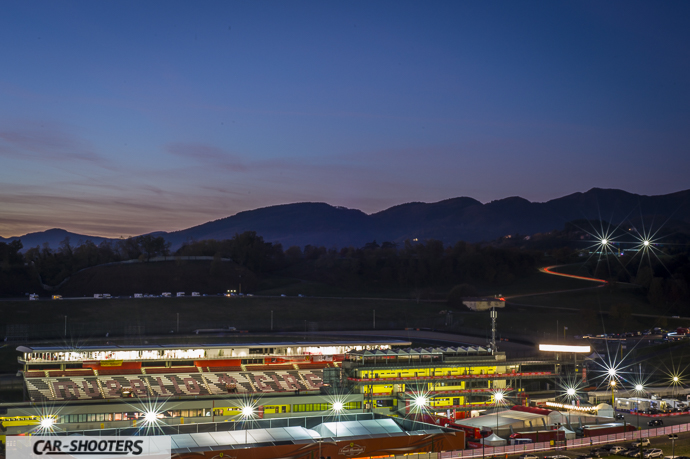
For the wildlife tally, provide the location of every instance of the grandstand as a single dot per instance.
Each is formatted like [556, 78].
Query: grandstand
[100, 387]
[109, 372]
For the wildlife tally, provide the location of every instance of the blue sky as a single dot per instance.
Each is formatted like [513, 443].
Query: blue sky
[119, 118]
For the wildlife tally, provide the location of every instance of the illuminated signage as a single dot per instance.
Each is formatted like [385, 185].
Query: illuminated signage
[563, 348]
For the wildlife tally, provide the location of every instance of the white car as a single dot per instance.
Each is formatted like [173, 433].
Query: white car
[528, 456]
[653, 453]
[643, 442]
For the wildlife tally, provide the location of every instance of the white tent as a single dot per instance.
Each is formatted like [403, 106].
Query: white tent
[494, 440]
[604, 409]
[569, 434]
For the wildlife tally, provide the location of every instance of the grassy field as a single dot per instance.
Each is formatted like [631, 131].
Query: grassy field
[531, 282]
[325, 308]
[160, 315]
[597, 309]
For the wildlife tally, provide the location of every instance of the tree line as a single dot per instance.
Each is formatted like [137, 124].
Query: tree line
[53, 266]
[413, 265]
[417, 266]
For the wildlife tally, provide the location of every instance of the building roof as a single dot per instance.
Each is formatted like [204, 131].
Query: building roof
[137, 347]
[213, 441]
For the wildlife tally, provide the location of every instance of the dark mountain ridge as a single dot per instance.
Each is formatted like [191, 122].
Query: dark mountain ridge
[53, 237]
[449, 221]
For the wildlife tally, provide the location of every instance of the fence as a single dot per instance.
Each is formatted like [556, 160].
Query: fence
[493, 451]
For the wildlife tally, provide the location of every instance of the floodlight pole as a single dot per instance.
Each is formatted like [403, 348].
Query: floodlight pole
[673, 444]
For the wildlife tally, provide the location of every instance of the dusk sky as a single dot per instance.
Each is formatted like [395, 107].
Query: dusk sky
[120, 118]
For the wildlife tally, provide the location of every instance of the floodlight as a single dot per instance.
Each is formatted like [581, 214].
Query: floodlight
[150, 417]
[676, 379]
[612, 372]
[638, 387]
[604, 241]
[47, 423]
[337, 406]
[247, 411]
[420, 402]
[645, 243]
[613, 383]
[498, 396]
[570, 391]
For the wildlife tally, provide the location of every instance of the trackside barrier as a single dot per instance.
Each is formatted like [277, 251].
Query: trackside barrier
[495, 451]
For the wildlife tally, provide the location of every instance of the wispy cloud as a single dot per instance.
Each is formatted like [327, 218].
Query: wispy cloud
[207, 154]
[45, 141]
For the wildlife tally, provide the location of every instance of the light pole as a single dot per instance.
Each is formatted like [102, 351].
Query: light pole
[498, 397]
[638, 388]
[673, 438]
[337, 408]
[571, 394]
[613, 400]
[247, 412]
[419, 404]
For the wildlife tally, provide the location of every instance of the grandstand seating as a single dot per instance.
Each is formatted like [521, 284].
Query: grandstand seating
[221, 369]
[132, 383]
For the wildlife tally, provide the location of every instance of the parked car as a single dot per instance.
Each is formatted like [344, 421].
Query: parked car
[528, 456]
[557, 456]
[599, 452]
[653, 453]
[655, 422]
[619, 416]
[617, 449]
[640, 442]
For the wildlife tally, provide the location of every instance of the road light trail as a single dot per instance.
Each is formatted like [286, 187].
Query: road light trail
[548, 269]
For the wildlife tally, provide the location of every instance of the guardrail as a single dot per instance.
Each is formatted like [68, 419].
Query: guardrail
[494, 451]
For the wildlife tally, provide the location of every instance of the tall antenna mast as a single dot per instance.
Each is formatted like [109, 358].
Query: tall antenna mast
[494, 314]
